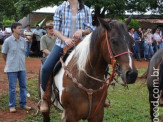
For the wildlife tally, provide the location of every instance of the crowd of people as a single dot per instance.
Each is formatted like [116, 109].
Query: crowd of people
[32, 38]
[146, 43]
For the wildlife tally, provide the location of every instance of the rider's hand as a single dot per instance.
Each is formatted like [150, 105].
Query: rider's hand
[69, 42]
[78, 34]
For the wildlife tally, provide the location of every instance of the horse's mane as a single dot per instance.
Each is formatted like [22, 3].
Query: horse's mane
[82, 52]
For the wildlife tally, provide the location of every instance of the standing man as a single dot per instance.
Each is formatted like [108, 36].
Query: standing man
[148, 48]
[47, 41]
[13, 52]
[138, 36]
[38, 33]
[28, 37]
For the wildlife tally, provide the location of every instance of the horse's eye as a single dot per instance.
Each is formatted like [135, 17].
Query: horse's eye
[113, 41]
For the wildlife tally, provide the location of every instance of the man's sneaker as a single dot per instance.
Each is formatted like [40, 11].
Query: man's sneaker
[44, 106]
[12, 110]
[27, 108]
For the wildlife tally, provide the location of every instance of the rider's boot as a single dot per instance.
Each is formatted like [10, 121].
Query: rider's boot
[45, 104]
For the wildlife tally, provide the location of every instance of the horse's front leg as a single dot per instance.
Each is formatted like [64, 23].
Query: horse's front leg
[69, 116]
[46, 117]
[98, 117]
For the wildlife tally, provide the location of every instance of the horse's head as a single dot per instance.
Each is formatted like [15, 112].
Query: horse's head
[117, 39]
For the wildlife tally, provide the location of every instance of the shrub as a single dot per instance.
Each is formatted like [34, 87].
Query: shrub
[133, 24]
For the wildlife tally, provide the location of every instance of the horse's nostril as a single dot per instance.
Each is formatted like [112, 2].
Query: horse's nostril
[131, 76]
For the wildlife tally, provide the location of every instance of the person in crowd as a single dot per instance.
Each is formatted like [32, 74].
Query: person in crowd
[47, 41]
[38, 33]
[131, 33]
[78, 19]
[4, 32]
[148, 48]
[157, 40]
[138, 36]
[161, 42]
[28, 37]
[13, 52]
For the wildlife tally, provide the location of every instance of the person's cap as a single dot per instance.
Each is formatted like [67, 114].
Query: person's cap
[49, 23]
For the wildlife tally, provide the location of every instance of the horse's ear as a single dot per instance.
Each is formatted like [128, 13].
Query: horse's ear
[128, 20]
[103, 23]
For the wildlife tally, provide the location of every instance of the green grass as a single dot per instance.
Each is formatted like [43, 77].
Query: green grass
[127, 105]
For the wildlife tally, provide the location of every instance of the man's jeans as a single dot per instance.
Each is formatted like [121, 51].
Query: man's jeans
[148, 50]
[28, 48]
[49, 64]
[12, 78]
[161, 45]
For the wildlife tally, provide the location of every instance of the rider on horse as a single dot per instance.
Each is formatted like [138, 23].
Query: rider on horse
[72, 21]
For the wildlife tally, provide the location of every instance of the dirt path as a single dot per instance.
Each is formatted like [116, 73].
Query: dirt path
[33, 66]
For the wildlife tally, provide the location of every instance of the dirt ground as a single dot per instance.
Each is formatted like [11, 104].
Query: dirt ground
[32, 66]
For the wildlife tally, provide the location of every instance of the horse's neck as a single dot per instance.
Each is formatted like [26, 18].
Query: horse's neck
[96, 67]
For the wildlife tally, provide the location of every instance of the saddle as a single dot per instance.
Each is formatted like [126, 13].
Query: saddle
[58, 65]
[66, 51]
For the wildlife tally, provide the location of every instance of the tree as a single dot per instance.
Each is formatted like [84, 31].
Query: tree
[102, 8]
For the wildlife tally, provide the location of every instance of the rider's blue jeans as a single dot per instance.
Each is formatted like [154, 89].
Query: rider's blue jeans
[49, 64]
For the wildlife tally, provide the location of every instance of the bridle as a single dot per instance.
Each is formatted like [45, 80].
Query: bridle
[113, 65]
[112, 57]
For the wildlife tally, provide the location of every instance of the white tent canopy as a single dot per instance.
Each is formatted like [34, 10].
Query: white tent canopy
[48, 9]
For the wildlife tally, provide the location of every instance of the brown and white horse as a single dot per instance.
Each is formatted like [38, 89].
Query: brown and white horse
[80, 81]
